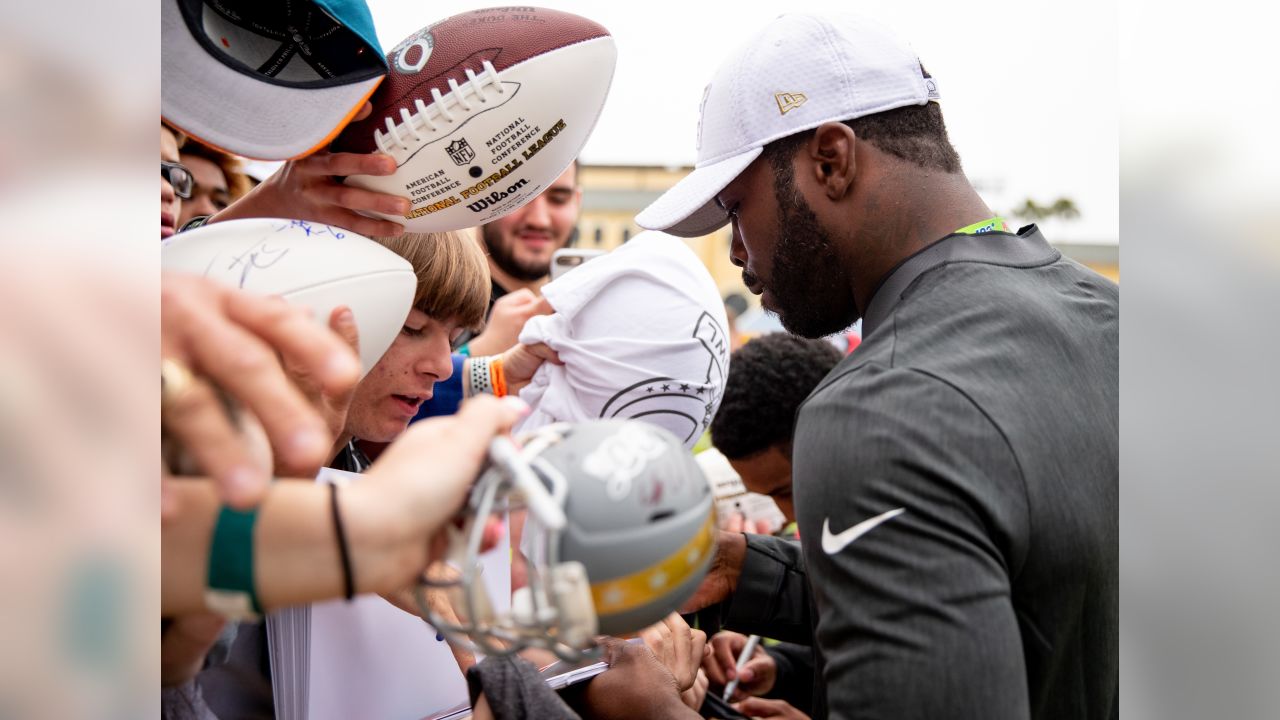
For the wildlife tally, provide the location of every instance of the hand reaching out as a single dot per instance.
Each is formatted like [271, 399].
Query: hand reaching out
[433, 464]
[636, 685]
[510, 313]
[522, 361]
[678, 646]
[332, 404]
[758, 676]
[217, 337]
[310, 189]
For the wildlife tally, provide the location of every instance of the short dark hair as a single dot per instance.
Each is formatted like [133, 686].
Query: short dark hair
[768, 379]
[915, 133]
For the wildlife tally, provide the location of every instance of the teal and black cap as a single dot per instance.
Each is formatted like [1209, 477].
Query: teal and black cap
[267, 79]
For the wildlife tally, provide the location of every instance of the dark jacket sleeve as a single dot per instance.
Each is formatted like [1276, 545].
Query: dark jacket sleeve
[772, 596]
[515, 691]
[914, 518]
[794, 682]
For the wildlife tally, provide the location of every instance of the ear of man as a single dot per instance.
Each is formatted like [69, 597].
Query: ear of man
[831, 158]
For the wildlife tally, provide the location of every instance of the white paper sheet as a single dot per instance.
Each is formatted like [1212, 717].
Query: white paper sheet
[367, 658]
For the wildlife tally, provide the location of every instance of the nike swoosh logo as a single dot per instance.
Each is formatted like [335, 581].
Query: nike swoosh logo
[834, 543]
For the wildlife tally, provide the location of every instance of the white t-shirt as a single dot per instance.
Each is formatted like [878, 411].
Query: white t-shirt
[642, 333]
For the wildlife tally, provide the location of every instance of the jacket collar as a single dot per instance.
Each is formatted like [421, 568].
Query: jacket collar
[1028, 248]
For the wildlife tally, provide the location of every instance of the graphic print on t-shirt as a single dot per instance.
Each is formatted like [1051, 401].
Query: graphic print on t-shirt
[685, 408]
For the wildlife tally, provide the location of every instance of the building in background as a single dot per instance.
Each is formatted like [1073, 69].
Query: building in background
[613, 194]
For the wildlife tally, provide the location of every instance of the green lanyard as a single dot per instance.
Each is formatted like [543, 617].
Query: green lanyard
[995, 224]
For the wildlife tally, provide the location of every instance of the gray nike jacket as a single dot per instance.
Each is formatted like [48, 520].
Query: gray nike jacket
[982, 403]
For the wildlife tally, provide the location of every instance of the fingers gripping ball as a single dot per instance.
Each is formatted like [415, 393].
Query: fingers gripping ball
[482, 111]
[309, 264]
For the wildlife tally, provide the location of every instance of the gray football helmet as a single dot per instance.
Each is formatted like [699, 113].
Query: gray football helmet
[620, 530]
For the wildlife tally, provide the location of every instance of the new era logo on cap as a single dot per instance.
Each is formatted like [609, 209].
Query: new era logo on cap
[789, 101]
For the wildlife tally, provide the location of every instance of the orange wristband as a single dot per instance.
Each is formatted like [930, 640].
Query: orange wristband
[497, 378]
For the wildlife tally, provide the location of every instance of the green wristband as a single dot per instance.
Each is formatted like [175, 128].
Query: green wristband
[231, 588]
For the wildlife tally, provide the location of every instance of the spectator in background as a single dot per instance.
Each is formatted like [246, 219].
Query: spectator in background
[175, 181]
[520, 247]
[219, 180]
[768, 379]
[521, 243]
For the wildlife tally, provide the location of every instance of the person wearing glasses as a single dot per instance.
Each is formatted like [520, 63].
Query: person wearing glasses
[219, 180]
[175, 182]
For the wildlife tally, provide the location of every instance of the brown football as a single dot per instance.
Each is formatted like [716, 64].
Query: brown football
[483, 110]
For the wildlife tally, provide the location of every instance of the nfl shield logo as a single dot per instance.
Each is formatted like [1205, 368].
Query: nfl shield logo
[460, 152]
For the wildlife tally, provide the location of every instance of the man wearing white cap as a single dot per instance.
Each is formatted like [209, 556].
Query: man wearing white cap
[956, 478]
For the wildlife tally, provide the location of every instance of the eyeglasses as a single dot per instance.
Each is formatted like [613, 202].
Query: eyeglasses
[179, 177]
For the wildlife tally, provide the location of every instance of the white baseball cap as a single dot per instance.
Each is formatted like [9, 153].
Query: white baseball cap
[799, 72]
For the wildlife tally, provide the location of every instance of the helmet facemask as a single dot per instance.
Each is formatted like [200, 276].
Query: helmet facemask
[630, 480]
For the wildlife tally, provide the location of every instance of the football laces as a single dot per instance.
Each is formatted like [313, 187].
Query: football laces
[480, 85]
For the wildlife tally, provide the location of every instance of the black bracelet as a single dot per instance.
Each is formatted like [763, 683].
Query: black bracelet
[348, 579]
[195, 222]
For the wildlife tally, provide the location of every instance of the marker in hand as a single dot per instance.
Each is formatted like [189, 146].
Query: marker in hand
[747, 651]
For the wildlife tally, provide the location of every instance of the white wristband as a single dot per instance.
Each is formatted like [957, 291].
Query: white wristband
[478, 380]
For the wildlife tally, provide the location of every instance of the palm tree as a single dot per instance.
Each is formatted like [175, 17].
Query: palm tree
[1063, 207]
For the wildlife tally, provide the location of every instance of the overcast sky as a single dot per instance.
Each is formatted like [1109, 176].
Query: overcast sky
[1029, 88]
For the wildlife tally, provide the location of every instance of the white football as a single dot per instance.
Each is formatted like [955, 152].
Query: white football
[483, 111]
[309, 264]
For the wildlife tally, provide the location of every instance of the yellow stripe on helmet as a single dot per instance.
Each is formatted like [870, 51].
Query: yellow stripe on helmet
[638, 588]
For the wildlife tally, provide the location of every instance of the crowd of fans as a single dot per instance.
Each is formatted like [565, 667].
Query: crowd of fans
[953, 611]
